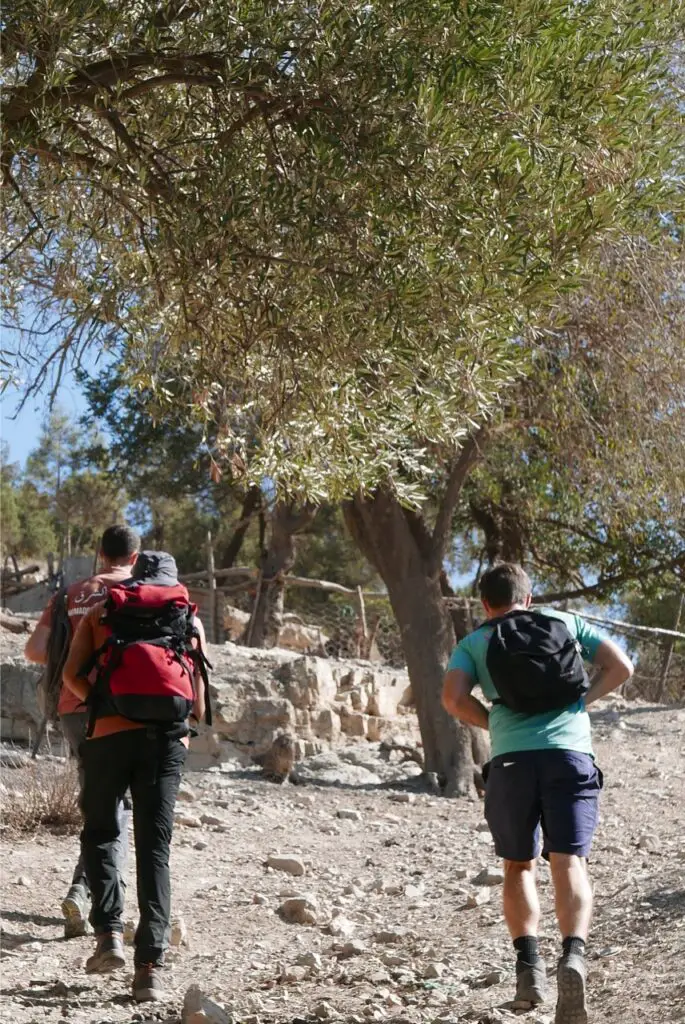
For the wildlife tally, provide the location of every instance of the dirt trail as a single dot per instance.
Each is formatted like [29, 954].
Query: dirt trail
[394, 937]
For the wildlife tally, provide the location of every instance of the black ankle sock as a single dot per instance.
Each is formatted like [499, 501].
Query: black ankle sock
[527, 949]
[573, 944]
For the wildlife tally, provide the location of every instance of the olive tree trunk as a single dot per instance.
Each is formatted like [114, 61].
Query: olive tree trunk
[409, 558]
[276, 560]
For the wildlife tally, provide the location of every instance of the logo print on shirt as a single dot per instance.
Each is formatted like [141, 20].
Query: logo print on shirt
[95, 595]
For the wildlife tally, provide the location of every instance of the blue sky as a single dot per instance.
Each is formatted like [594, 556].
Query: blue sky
[21, 429]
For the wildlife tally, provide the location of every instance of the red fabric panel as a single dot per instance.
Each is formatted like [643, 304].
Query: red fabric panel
[151, 671]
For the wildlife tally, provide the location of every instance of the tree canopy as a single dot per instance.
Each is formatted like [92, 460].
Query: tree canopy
[333, 222]
[585, 474]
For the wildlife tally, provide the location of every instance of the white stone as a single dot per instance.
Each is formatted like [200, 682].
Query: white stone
[179, 932]
[211, 819]
[349, 814]
[294, 974]
[389, 936]
[188, 820]
[186, 794]
[341, 926]
[199, 1009]
[489, 876]
[478, 899]
[300, 910]
[435, 970]
[355, 947]
[311, 960]
[286, 862]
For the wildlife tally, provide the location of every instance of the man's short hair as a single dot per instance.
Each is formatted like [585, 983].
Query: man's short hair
[119, 542]
[504, 585]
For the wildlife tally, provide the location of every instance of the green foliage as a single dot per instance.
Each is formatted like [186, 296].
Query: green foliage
[655, 606]
[64, 499]
[36, 524]
[167, 465]
[328, 221]
[585, 478]
[10, 526]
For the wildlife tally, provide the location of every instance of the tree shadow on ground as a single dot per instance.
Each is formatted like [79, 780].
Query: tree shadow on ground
[669, 904]
[39, 919]
[50, 994]
[606, 714]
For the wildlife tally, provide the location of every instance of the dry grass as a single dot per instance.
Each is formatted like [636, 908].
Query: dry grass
[42, 797]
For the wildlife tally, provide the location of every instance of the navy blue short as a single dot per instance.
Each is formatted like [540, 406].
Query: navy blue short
[548, 794]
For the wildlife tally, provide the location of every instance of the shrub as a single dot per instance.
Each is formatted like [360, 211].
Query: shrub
[46, 797]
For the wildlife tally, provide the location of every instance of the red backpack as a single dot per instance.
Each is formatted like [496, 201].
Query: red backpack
[146, 667]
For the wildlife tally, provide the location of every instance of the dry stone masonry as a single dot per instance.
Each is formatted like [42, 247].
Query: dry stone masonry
[259, 697]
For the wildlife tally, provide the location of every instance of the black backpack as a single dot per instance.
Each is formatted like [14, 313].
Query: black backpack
[534, 663]
[57, 650]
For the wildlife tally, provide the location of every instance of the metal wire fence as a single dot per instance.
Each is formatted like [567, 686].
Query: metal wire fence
[331, 620]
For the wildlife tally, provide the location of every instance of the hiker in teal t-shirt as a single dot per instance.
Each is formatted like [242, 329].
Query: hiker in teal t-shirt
[542, 780]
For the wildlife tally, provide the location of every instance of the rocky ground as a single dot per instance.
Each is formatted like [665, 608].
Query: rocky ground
[397, 902]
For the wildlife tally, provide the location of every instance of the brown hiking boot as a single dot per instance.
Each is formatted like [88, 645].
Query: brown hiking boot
[108, 955]
[148, 986]
[75, 912]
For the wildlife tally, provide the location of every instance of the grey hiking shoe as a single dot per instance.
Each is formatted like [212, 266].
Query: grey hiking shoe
[571, 977]
[531, 985]
[148, 986]
[108, 955]
[75, 911]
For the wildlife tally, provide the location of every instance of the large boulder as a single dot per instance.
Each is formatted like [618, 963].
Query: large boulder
[21, 716]
[308, 682]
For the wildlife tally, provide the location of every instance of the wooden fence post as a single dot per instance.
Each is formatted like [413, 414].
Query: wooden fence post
[211, 583]
[668, 651]
[363, 630]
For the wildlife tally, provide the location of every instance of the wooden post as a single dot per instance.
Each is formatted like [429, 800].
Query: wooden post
[211, 581]
[363, 630]
[668, 651]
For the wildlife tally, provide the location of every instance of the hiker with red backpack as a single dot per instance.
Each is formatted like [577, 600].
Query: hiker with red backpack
[542, 782]
[48, 645]
[138, 662]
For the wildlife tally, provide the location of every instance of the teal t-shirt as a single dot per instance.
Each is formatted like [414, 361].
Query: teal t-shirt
[510, 731]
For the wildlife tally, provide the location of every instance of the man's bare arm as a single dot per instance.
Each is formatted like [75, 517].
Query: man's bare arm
[199, 686]
[615, 668]
[459, 702]
[36, 649]
[82, 647]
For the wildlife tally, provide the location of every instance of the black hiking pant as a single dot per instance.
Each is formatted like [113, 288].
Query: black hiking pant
[149, 762]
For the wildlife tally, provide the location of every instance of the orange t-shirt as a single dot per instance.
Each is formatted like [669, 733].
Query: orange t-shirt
[81, 597]
[90, 635]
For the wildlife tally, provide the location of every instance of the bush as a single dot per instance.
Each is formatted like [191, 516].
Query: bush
[46, 797]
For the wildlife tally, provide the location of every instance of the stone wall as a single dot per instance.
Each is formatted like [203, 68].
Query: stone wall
[321, 702]
[256, 695]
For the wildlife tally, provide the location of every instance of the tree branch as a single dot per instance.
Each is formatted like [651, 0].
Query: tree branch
[118, 70]
[251, 503]
[606, 585]
[148, 84]
[470, 453]
[570, 528]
